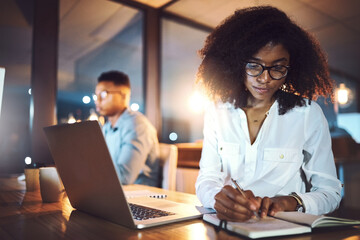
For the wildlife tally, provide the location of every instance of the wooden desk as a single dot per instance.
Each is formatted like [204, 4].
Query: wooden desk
[24, 216]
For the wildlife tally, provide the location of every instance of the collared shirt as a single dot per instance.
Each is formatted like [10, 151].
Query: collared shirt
[134, 148]
[292, 153]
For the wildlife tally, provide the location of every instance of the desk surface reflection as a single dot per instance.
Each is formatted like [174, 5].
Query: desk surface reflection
[24, 216]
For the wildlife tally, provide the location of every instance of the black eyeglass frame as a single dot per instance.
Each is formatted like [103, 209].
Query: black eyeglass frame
[95, 96]
[268, 69]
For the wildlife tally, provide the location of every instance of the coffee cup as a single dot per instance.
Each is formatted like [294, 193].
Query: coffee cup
[51, 186]
[31, 179]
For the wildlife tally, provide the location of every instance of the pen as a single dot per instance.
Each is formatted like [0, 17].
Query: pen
[242, 193]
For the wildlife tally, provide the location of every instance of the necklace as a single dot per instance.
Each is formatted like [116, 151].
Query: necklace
[258, 120]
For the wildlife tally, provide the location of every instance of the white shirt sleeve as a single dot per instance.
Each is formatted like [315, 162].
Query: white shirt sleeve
[211, 176]
[318, 166]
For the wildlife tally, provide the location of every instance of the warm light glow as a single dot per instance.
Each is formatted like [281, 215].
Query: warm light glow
[86, 99]
[173, 136]
[66, 208]
[343, 95]
[135, 107]
[93, 116]
[197, 102]
[28, 160]
[199, 230]
[71, 118]
[101, 120]
[351, 238]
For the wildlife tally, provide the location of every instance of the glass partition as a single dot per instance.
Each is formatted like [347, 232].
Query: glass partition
[15, 48]
[96, 36]
[181, 104]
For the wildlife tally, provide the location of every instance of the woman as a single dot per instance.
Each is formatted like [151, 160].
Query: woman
[262, 129]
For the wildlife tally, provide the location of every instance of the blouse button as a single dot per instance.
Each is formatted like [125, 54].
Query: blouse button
[281, 156]
[221, 148]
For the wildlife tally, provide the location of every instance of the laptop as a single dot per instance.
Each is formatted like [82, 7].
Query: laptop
[92, 183]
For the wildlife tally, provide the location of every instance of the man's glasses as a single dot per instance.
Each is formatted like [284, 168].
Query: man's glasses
[276, 72]
[103, 94]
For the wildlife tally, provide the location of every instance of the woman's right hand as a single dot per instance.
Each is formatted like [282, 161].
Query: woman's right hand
[231, 205]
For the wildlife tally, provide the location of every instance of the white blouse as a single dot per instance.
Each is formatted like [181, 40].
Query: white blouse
[292, 153]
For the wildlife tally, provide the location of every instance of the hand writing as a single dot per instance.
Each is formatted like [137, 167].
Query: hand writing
[231, 205]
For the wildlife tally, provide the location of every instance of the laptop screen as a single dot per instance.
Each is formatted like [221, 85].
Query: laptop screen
[2, 79]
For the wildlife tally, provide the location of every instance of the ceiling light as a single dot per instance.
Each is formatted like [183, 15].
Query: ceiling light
[344, 96]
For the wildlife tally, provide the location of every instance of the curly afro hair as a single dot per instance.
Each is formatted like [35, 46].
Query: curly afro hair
[243, 34]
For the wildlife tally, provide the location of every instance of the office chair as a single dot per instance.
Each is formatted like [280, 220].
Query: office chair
[168, 164]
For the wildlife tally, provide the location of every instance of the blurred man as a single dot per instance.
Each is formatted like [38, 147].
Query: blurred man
[131, 138]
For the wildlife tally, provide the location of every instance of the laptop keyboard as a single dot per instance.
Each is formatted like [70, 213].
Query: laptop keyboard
[143, 213]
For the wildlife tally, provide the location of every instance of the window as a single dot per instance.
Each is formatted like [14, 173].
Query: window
[96, 36]
[15, 47]
[178, 71]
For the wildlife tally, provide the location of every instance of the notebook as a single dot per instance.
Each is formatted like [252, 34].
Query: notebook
[284, 223]
[2, 80]
[92, 183]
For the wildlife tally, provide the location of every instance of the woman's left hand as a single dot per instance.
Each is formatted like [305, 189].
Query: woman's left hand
[270, 206]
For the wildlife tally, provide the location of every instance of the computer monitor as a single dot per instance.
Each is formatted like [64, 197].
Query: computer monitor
[2, 79]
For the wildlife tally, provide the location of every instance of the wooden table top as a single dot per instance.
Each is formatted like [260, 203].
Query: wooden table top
[24, 216]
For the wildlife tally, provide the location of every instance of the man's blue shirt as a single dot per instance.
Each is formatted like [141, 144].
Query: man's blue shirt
[134, 148]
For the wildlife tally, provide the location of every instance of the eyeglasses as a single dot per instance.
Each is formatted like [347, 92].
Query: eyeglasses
[103, 94]
[276, 72]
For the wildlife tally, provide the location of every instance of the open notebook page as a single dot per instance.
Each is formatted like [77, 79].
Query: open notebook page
[257, 228]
